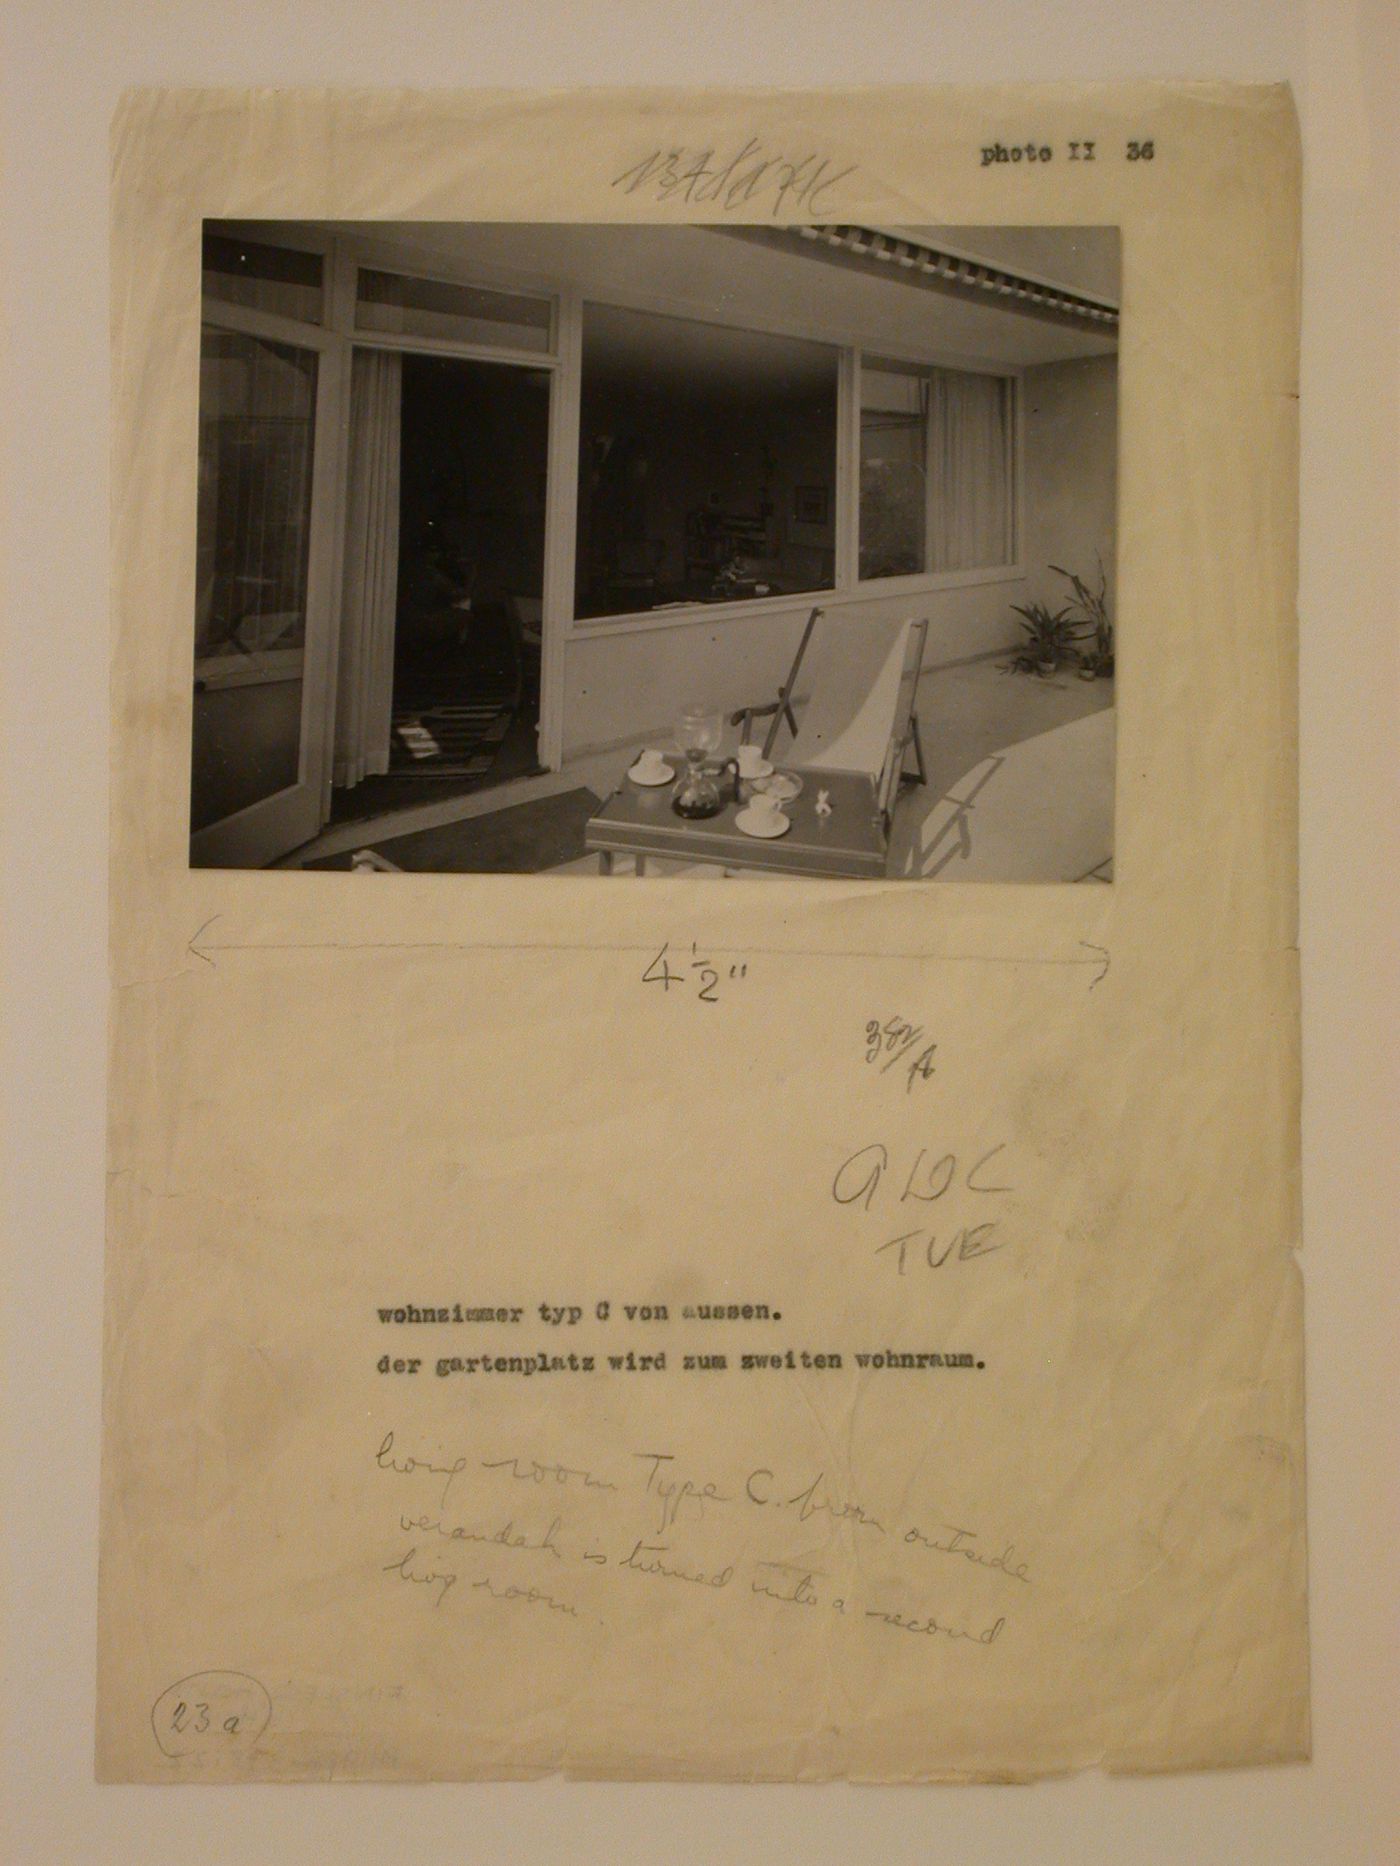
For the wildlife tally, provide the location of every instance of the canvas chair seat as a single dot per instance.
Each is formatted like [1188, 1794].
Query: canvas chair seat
[860, 677]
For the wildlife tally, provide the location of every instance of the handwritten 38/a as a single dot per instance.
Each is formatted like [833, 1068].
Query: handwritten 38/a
[892, 1042]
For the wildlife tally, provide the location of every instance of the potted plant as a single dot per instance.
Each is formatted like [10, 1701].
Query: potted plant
[1051, 635]
[1089, 610]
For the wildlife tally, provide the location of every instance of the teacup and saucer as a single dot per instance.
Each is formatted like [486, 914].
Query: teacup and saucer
[651, 767]
[763, 816]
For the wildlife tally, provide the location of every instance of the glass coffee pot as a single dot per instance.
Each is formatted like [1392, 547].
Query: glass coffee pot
[698, 731]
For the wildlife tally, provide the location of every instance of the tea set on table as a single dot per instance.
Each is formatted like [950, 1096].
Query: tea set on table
[703, 788]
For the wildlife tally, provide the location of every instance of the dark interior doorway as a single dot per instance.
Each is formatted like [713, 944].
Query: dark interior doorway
[466, 701]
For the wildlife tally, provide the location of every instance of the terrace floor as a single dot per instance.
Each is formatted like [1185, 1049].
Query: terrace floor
[1020, 785]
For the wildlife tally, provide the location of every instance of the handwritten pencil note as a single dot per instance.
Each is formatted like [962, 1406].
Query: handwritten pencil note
[752, 177]
[658, 1514]
[722, 1326]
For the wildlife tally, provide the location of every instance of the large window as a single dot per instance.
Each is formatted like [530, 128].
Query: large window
[936, 471]
[707, 466]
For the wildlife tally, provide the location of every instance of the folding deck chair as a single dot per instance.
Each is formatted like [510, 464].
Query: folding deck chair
[862, 680]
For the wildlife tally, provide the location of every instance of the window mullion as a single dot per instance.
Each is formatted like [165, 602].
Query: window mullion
[847, 541]
[932, 490]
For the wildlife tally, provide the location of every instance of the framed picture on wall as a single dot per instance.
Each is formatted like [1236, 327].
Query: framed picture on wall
[811, 505]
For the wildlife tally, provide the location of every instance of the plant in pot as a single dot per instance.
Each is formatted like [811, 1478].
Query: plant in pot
[1089, 610]
[1051, 637]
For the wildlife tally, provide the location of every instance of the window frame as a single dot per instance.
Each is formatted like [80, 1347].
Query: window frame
[686, 615]
[311, 243]
[318, 654]
[927, 580]
[450, 346]
[848, 585]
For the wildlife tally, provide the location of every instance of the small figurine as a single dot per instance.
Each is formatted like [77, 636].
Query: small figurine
[823, 805]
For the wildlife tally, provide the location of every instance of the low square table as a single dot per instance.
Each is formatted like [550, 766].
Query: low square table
[851, 843]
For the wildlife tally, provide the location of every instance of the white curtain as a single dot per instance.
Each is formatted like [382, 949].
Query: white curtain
[970, 471]
[366, 688]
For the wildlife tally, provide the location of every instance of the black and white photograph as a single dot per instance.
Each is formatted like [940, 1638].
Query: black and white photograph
[631, 550]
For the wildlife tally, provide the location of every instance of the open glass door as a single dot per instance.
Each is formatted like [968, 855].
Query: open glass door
[263, 610]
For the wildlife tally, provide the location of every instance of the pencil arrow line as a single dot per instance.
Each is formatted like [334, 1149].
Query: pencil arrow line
[1102, 961]
[201, 950]
[204, 949]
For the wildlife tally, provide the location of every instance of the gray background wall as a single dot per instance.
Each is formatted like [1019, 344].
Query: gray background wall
[1071, 472]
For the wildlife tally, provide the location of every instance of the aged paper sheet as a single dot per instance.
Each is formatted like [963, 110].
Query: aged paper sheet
[434, 1213]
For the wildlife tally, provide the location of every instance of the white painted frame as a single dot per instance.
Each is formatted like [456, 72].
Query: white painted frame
[561, 491]
[560, 526]
[337, 337]
[261, 831]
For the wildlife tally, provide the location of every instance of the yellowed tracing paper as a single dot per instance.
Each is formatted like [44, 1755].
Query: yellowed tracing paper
[519, 1359]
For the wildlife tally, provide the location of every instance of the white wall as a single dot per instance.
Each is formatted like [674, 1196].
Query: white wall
[628, 684]
[1070, 463]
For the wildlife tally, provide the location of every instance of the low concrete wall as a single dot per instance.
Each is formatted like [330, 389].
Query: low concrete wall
[630, 683]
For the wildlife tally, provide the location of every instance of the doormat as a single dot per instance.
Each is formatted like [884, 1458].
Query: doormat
[524, 839]
[449, 741]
